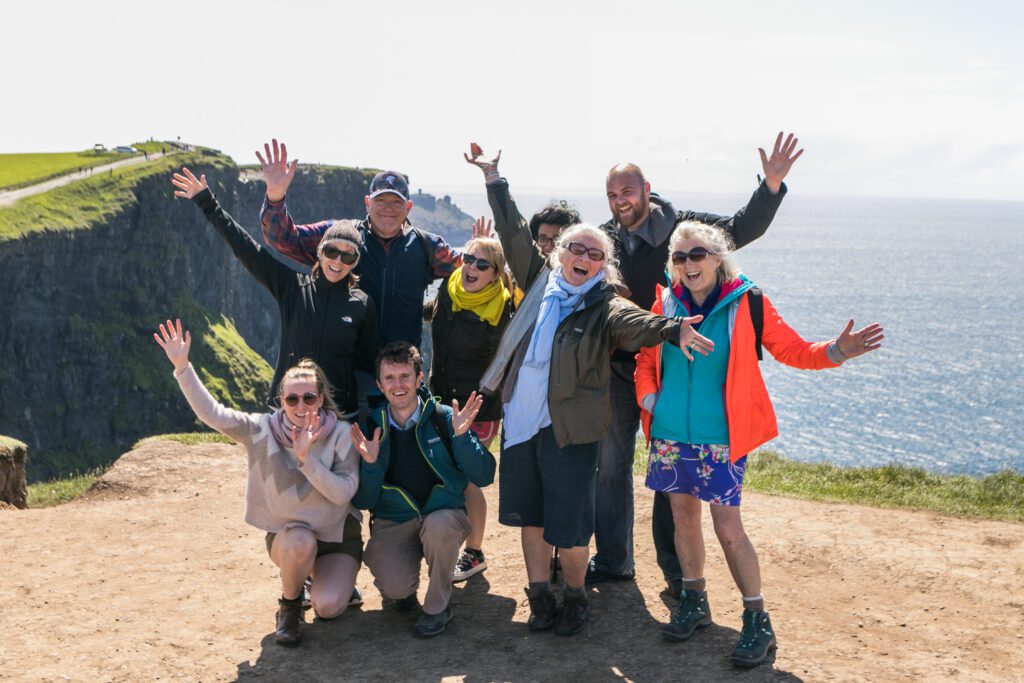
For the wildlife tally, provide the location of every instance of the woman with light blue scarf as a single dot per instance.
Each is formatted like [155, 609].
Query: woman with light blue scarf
[553, 369]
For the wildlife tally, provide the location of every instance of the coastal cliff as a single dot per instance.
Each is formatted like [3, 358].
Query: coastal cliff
[82, 377]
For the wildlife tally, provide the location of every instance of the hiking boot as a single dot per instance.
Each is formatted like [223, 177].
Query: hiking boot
[595, 575]
[543, 610]
[406, 604]
[470, 562]
[572, 615]
[430, 625]
[289, 616]
[692, 613]
[757, 639]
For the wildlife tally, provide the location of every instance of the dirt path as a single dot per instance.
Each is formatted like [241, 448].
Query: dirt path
[156, 577]
[9, 197]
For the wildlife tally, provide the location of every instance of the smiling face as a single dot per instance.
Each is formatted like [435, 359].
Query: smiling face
[300, 387]
[398, 382]
[334, 269]
[546, 235]
[700, 277]
[387, 213]
[578, 268]
[474, 279]
[628, 198]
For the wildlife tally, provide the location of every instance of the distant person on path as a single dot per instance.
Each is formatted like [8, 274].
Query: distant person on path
[640, 228]
[397, 261]
[545, 225]
[414, 471]
[552, 370]
[704, 413]
[468, 316]
[303, 473]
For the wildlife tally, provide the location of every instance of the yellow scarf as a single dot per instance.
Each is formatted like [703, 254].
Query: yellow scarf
[488, 304]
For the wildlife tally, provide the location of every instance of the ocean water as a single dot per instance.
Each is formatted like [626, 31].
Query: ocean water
[942, 276]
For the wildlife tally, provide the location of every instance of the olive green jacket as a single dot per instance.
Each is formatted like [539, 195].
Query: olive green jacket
[578, 395]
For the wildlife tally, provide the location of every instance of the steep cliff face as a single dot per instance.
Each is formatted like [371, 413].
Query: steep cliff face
[80, 376]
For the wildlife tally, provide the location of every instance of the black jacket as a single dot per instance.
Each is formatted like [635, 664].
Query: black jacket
[645, 267]
[464, 346]
[332, 323]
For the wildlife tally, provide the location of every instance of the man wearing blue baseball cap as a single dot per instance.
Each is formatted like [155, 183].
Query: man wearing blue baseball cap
[397, 260]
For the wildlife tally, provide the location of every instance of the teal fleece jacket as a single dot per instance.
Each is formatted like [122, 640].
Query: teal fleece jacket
[470, 462]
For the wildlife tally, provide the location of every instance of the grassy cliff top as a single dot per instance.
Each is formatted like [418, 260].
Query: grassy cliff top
[19, 170]
[91, 200]
[9, 444]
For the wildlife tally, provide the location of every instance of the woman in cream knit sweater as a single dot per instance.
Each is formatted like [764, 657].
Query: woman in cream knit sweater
[303, 473]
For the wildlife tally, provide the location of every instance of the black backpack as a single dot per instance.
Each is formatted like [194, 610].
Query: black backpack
[755, 297]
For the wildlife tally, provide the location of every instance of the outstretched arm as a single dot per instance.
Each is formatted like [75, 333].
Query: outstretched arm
[297, 242]
[789, 348]
[267, 271]
[176, 344]
[522, 256]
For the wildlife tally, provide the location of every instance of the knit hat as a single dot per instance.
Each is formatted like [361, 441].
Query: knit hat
[341, 231]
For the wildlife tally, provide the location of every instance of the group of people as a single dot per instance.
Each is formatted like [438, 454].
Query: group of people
[562, 337]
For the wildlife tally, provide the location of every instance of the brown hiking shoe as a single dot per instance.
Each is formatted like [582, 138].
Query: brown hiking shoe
[572, 616]
[543, 609]
[289, 616]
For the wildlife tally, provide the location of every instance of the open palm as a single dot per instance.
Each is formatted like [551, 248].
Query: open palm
[277, 172]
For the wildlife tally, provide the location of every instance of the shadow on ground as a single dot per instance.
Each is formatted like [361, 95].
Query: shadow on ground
[483, 643]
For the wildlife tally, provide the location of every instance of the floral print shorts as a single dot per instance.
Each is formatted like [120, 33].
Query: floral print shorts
[700, 470]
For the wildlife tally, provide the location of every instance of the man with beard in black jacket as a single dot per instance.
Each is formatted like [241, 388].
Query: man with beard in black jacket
[641, 225]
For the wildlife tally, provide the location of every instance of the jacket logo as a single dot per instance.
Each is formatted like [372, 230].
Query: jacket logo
[346, 319]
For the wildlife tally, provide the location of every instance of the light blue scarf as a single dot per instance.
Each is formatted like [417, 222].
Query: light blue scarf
[527, 412]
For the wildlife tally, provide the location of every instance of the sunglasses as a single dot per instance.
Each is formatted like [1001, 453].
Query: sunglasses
[309, 398]
[347, 257]
[697, 254]
[480, 263]
[581, 249]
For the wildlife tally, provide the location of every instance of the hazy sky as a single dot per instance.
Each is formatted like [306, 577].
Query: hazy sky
[892, 99]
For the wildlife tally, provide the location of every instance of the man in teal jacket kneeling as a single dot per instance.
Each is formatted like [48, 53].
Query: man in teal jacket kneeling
[412, 477]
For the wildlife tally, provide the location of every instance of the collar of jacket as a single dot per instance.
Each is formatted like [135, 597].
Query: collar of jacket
[662, 221]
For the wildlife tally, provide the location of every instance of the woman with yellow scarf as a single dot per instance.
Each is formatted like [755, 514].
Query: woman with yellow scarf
[468, 316]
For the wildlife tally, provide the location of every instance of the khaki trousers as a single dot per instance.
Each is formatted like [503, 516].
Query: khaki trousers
[395, 550]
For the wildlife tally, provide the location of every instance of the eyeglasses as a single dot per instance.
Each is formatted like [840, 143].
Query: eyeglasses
[309, 398]
[347, 257]
[697, 254]
[544, 240]
[480, 263]
[581, 249]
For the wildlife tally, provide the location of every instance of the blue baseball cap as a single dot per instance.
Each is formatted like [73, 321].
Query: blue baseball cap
[389, 181]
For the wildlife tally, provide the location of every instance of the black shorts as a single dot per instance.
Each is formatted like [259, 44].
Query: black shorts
[546, 486]
[351, 543]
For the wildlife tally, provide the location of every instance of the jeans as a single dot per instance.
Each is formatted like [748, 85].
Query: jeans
[613, 528]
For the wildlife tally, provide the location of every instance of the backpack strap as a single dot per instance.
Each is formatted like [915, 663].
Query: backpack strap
[755, 297]
[428, 249]
[443, 430]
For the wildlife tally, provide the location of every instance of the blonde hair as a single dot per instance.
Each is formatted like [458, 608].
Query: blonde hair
[714, 239]
[308, 370]
[610, 264]
[492, 248]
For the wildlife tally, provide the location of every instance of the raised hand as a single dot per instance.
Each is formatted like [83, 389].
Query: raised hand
[690, 340]
[462, 419]
[174, 343]
[277, 172]
[778, 164]
[305, 436]
[188, 185]
[865, 340]
[367, 449]
[481, 229]
[477, 157]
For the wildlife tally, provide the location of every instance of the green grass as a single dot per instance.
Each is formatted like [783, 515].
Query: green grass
[155, 146]
[49, 493]
[7, 443]
[187, 438]
[996, 496]
[94, 199]
[19, 170]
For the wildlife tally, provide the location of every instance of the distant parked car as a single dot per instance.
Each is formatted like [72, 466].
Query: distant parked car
[121, 149]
